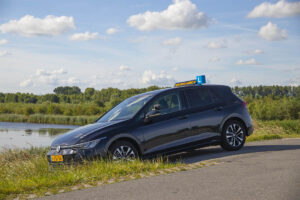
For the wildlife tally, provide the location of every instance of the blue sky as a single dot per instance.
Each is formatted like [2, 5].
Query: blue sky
[124, 44]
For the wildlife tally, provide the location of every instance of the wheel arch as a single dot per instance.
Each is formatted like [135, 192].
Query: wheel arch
[234, 117]
[128, 138]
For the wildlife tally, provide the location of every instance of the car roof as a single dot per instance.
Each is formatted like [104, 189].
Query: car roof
[154, 92]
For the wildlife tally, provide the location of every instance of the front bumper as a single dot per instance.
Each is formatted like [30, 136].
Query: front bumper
[76, 155]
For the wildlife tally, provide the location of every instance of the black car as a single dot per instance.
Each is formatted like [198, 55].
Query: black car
[160, 122]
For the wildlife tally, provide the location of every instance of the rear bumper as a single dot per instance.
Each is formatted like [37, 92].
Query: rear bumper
[250, 130]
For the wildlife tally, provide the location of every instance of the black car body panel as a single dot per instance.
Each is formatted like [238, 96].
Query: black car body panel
[192, 121]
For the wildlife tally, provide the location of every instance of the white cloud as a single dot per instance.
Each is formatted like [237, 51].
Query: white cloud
[217, 45]
[70, 81]
[161, 79]
[112, 31]
[251, 61]
[84, 36]
[54, 78]
[59, 71]
[175, 68]
[26, 83]
[235, 82]
[4, 53]
[124, 68]
[3, 41]
[182, 14]
[172, 41]
[255, 51]
[42, 72]
[31, 26]
[215, 59]
[280, 9]
[271, 32]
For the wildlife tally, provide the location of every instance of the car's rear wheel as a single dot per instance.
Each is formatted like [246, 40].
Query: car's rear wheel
[123, 150]
[233, 135]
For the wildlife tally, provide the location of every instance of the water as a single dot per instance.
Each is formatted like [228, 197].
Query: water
[25, 135]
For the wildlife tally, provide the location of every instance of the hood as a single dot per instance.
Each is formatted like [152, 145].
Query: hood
[76, 135]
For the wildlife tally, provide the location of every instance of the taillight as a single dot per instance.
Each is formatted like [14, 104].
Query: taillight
[244, 104]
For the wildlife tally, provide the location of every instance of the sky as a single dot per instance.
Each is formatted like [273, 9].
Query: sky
[138, 43]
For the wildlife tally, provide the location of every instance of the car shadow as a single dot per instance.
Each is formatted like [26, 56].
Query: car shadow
[215, 152]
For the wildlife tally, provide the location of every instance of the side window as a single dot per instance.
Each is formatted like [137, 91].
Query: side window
[168, 103]
[224, 94]
[198, 97]
[215, 98]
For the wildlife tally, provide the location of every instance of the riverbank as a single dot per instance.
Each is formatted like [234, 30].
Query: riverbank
[48, 119]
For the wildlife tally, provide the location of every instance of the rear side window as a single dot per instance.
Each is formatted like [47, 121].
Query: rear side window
[198, 97]
[224, 94]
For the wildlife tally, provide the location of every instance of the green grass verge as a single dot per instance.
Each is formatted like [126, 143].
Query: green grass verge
[48, 119]
[268, 130]
[25, 172]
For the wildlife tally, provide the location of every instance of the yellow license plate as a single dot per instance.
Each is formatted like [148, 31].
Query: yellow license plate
[58, 158]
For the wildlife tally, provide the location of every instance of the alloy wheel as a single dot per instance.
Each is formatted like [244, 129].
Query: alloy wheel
[234, 135]
[123, 152]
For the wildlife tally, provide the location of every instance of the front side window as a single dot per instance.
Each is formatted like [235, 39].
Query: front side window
[198, 97]
[168, 103]
[126, 109]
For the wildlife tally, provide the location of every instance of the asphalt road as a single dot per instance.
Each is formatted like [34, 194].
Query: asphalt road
[261, 170]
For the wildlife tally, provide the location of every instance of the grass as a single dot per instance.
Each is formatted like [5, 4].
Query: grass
[268, 130]
[48, 119]
[25, 172]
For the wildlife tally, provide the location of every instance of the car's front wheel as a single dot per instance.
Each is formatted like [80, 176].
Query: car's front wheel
[233, 136]
[123, 150]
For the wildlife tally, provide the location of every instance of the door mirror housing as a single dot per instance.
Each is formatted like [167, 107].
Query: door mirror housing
[156, 107]
[150, 115]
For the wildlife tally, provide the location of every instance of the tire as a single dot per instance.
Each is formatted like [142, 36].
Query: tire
[123, 150]
[233, 136]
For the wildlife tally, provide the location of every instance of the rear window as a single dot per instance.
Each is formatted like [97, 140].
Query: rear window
[198, 97]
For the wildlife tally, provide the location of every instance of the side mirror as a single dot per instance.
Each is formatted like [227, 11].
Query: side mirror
[150, 115]
[156, 107]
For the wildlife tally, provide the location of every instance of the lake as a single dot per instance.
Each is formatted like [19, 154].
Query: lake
[25, 135]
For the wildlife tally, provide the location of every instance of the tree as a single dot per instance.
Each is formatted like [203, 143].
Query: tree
[67, 90]
[89, 91]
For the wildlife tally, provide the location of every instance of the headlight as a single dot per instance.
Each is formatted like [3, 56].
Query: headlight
[85, 145]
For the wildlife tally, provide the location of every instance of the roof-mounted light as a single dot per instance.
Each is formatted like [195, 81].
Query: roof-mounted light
[199, 81]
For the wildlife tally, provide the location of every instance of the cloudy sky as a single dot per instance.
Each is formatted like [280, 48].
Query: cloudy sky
[137, 43]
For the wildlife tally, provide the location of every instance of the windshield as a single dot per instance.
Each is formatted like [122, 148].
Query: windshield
[126, 109]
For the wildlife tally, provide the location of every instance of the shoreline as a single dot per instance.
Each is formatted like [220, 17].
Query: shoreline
[49, 119]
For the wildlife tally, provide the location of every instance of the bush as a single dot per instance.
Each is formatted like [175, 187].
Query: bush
[275, 109]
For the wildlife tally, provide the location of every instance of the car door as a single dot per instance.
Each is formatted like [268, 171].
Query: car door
[166, 130]
[205, 114]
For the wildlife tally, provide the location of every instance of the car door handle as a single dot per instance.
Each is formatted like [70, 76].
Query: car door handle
[183, 117]
[219, 108]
